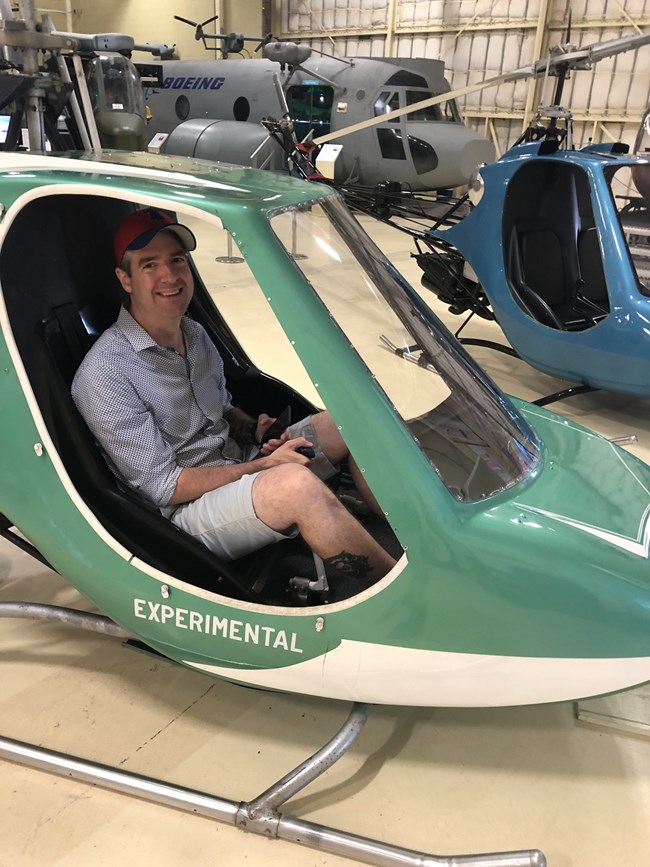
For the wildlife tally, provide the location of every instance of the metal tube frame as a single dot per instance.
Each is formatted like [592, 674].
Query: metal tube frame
[34, 100]
[259, 815]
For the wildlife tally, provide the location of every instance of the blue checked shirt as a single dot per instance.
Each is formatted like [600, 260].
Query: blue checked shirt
[152, 411]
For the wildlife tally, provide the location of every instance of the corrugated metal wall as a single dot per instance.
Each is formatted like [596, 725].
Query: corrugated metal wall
[482, 39]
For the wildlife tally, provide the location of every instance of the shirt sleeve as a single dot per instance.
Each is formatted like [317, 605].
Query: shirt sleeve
[126, 431]
[209, 357]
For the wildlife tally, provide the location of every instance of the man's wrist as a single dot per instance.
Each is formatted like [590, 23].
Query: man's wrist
[252, 433]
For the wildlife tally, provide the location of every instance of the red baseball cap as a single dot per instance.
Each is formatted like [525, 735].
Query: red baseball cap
[141, 227]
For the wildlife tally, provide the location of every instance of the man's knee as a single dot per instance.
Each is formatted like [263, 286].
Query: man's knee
[287, 481]
[283, 494]
[329, 436]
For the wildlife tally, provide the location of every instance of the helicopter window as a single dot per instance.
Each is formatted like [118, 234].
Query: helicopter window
[474, 440]
[630, 188]
[182, 107]
[425, 159]
[386, 102]
[310, 107]
[405, 78]
[241, 109]
[391, 144]
[450, 111]
[432, 112]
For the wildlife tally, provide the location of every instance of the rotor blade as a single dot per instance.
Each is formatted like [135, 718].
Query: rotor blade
[599, 50]
[264, 41]
[209, 20]
[185, 20]
[589, 54]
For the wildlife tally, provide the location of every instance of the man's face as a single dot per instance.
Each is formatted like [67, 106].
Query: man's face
[160, 283]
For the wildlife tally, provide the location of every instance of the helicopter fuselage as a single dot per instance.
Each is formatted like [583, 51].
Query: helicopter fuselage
[523, 574]
[213, 109]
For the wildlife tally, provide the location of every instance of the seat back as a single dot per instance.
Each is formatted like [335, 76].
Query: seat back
[542, 263]
[592, 272]
[547, 210]
[140, 528]
[526, 295]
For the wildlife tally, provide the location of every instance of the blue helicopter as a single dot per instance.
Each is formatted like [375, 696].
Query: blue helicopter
[554, 243]
[566, 268]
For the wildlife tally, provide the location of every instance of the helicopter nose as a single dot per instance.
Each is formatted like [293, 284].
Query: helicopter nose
[121, 130]
[459, 151]
[476, 152]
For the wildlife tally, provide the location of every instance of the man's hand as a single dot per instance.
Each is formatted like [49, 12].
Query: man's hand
[264, 422]
[284, 450]
[193, 482]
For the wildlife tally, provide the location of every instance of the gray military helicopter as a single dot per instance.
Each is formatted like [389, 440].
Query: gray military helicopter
[219, 110]
[68, 91]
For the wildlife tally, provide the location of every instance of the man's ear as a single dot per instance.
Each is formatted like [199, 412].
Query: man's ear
[124, 279]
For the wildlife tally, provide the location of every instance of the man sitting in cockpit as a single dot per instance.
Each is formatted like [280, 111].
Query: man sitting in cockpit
[152, 391]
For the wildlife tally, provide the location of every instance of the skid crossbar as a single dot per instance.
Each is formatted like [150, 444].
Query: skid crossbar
[259, 815]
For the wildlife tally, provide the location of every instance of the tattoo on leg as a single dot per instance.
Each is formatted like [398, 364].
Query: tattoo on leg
[357, 565]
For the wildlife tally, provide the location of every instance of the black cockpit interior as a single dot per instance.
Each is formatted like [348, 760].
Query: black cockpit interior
[552, 255]
[61, 292]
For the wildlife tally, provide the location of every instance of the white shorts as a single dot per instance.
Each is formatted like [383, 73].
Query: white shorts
[224, 519]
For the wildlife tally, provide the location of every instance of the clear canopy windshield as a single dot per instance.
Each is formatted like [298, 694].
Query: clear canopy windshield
[114, 85]
[390, 100]
[447, 111]
[473, 437]
[630, 186]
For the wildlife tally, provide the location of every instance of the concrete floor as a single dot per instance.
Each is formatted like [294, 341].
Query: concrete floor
[440, 781]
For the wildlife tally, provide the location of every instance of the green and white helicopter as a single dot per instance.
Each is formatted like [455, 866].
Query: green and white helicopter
[523, 575]
[524, 538]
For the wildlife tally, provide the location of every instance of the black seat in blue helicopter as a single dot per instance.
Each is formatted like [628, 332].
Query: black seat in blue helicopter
[552, 256]
[60, 289]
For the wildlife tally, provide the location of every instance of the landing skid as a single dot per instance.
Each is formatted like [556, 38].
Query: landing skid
[260, 815]
[564, 393]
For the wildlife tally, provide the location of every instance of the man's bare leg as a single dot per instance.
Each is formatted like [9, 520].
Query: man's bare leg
[290, 494]
[335, 449]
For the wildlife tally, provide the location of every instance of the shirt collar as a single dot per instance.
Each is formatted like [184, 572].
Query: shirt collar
[135, 333]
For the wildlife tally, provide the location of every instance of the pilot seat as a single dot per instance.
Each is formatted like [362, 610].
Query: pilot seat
[552, 256]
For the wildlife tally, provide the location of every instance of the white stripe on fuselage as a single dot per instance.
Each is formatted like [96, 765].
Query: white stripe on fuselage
[380, 674]
[639, 546]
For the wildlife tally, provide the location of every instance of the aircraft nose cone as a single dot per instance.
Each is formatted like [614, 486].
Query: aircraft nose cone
[459, 151]
[475, 152]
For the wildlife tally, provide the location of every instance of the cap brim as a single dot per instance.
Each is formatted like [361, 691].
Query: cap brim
[184, 235]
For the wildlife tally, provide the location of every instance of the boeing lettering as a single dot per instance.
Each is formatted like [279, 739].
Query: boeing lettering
[192, 82]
